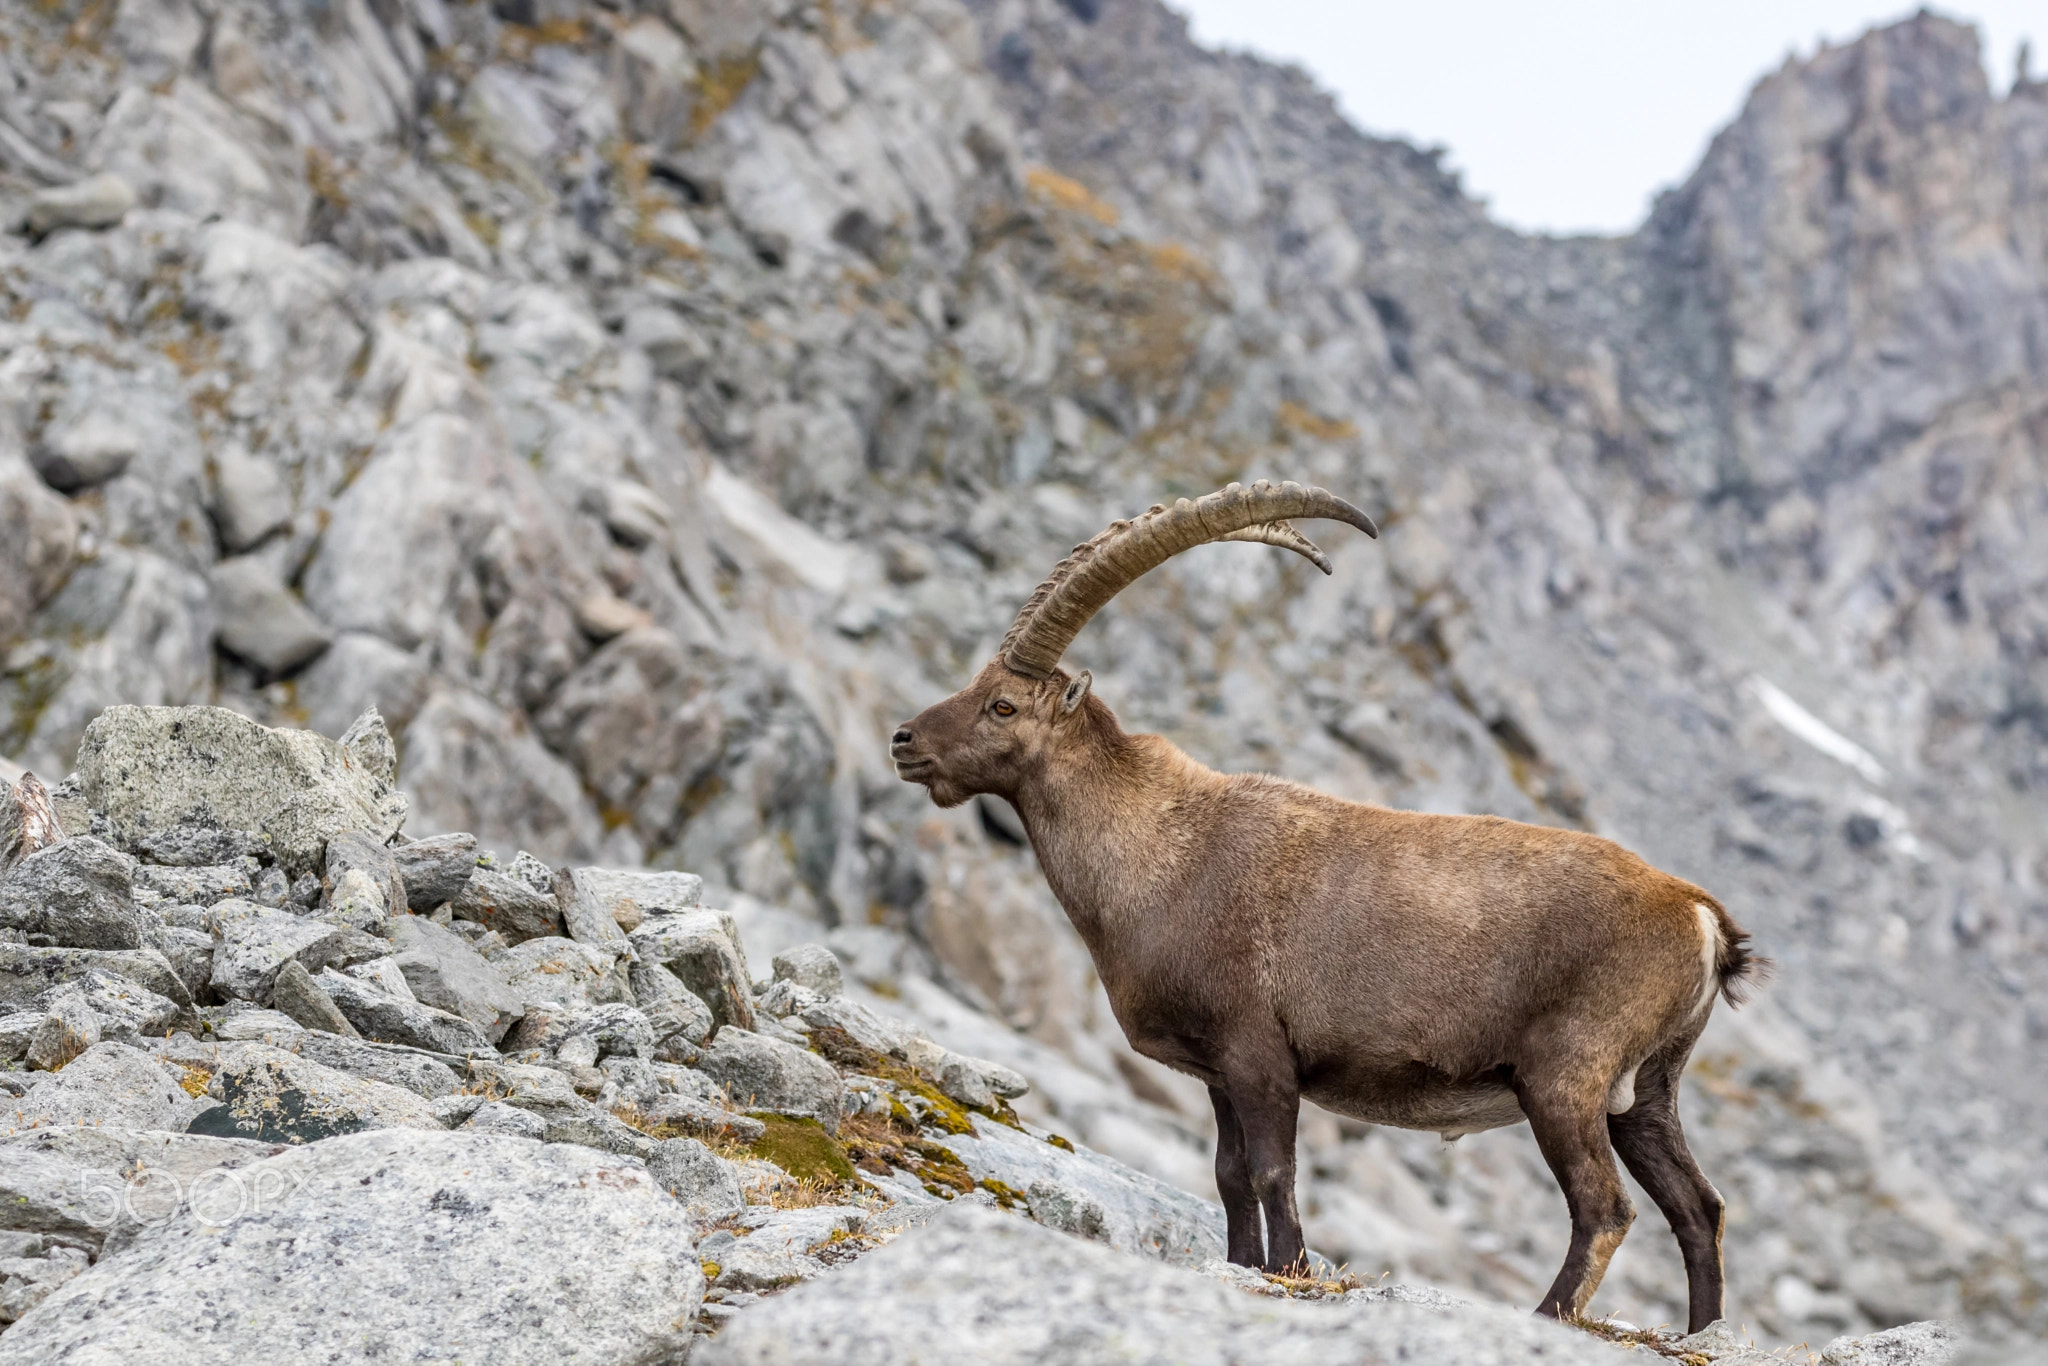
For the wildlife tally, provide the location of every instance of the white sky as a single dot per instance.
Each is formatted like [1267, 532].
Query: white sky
[1568, 115]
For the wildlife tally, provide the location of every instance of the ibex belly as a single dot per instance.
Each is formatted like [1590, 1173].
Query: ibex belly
[1435, 1103]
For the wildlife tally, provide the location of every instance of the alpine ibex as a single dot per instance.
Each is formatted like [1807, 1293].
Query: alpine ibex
[1454, 973]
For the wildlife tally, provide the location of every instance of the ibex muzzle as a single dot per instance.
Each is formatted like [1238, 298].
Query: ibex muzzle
[1451, 973]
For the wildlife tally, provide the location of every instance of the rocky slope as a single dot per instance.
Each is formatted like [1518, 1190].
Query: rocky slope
[647, 406]
[283, 1081]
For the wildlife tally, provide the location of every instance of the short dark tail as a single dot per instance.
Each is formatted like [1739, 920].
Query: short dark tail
[1741, 970]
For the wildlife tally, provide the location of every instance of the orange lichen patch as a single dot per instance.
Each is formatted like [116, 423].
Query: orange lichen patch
[517, 41]
[1295, 418]
[1069, 194]
[719, 86]
[1181, 263]
[194, 1081]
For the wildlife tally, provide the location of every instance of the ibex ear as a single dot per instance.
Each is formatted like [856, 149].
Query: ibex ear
[1077, 689]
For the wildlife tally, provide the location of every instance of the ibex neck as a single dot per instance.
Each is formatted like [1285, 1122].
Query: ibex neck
[1097, 823]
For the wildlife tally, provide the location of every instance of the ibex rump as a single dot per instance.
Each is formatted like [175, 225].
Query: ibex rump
[1452, 973]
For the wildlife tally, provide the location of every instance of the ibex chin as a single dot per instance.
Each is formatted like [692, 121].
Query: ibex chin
[1451, 973]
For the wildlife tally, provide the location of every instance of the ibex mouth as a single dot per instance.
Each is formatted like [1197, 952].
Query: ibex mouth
[915, 770]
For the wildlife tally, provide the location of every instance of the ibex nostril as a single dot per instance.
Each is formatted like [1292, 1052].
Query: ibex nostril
[901, 737]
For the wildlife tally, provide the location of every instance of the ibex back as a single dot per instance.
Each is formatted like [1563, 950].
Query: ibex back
[1452, 973]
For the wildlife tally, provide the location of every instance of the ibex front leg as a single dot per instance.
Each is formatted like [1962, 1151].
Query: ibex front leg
[1247, 1246]
[1262, 1092]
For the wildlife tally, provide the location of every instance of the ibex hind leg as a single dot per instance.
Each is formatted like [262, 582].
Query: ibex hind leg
[1570, 1126]
[1653, 1146]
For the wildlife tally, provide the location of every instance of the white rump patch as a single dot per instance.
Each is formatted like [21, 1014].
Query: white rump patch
[1621, 1097]
[1710, 955]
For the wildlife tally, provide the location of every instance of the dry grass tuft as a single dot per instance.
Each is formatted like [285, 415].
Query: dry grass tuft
[1652, 1338]
[1069, 194]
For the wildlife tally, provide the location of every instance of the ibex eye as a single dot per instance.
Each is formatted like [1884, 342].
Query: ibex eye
[1004, 709]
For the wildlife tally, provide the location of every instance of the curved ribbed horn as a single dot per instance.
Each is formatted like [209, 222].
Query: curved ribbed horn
[1099, 569]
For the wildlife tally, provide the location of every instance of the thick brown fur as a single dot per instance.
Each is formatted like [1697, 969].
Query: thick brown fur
[1452, 973]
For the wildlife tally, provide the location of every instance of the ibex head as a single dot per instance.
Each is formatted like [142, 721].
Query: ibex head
[1021, 709]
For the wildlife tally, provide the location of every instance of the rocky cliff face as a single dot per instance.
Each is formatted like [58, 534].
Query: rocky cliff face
[646, 407]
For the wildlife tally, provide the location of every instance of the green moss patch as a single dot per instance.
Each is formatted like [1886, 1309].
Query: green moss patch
[801, 1147]
[942, 1112]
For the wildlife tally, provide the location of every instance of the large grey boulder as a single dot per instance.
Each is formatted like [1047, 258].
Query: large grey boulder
[507, 904]
[768, 1074]
[702, 948]
[435, 870]
[550, 1253]
[262, 622]
[564, 972]
[446, 973]
[274, 1096]
[974, 1285]
[78, 892]
[109, 1084]
[253, 942]
[90, 1185]
[152, 769]
[388, 1019]
[27, 971]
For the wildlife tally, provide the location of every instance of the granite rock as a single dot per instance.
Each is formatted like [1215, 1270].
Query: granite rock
[444, 972]
[435, 870]
[152, 769]
[109, 1084]
[507, 905]
[293, 992]
[274, 1096]
[514, 1230]
[77, 893]
[768, 1074]
[388, 1019]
